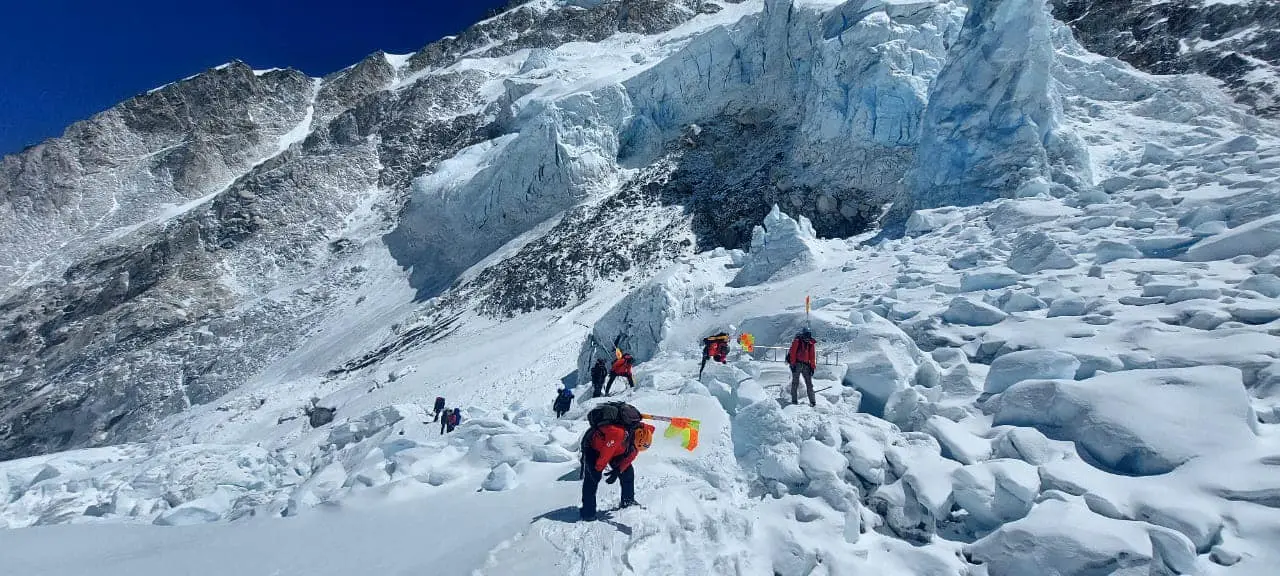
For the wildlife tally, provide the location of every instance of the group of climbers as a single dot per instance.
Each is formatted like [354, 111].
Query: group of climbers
[448, 418]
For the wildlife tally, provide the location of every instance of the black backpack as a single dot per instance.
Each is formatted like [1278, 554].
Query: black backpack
[619, 413]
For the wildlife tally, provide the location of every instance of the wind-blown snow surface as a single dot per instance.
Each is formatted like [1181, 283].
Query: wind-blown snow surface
[1081, 379]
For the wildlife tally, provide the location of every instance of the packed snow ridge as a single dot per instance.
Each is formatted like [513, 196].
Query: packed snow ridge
[1059, 355]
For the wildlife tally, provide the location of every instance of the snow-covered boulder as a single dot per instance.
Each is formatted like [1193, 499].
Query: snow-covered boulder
[1111, 250]
[1258, 238]
[1071, 306]
[367, 425]
[1030, 446]
[1138, 422]
[1266, 284]
[1011, 302]
[957, 443]
[1022, 365]
[957, 382]
[1036, 251]
[884, 360]
[204, 510]
[1192, 293]
[502, 477]
[925, 221]
[1012, 215]
[1066, 536]
[995, 492]
[968, 312]
[782, 245]
[988, 279]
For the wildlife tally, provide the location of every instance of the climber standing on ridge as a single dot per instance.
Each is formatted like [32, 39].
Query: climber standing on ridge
[598, 373]
[714, 347]
[439, 408]
[803, 358]
[621, 367]
[616, 436]
[564, 400]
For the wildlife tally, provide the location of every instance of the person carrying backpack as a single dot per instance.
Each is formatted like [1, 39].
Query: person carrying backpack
[564, 400]
[598, 373]
[714, 347]
[803, 358]
[616, 436]
[621, 367]
[439, 408]
[454, 418]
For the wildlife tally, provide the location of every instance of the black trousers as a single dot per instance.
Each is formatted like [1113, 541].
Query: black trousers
[799, 370]
[609, 385]
[591, 483]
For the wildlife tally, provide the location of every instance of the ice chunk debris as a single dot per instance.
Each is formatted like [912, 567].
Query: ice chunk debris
[1036, 251]
[967, 312]
[1109, 251]
[501, 477]
[1022, 365]
[885, 361]
[1066, 536]
[925, 221]
[995, 492]
[1258, 238]
[988, 279]
[1185, 412]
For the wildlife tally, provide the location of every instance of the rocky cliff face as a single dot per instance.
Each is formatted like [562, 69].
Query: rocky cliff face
[1237, 42]
[191, 239]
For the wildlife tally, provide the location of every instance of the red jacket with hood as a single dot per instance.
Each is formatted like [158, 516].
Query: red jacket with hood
[611, 442]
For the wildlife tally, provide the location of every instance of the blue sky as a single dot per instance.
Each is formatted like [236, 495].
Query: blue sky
[65, 60]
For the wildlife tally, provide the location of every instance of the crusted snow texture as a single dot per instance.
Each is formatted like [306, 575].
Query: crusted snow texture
[1190, 412]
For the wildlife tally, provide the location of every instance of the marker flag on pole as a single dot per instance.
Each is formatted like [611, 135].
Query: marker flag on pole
[617, 353]
[747, 341]
[685, 428]
[806, 305]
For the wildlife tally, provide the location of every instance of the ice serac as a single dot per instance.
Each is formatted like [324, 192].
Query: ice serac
[992, 123]
[782, 245]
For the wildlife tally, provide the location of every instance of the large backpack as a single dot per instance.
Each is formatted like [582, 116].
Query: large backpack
[619, 413]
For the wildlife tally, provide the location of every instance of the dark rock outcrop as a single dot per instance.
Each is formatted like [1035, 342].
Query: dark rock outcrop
[1237, 43]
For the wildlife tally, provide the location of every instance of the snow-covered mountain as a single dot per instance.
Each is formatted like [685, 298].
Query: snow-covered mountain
[1043, 286]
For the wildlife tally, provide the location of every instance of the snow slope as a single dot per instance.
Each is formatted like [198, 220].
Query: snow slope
[1074, 372]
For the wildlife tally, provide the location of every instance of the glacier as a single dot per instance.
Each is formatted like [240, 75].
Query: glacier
[1042, 282]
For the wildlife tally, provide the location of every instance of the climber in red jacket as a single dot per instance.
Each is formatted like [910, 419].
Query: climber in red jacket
[803, 358]
[613, 444]
[621, 367]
